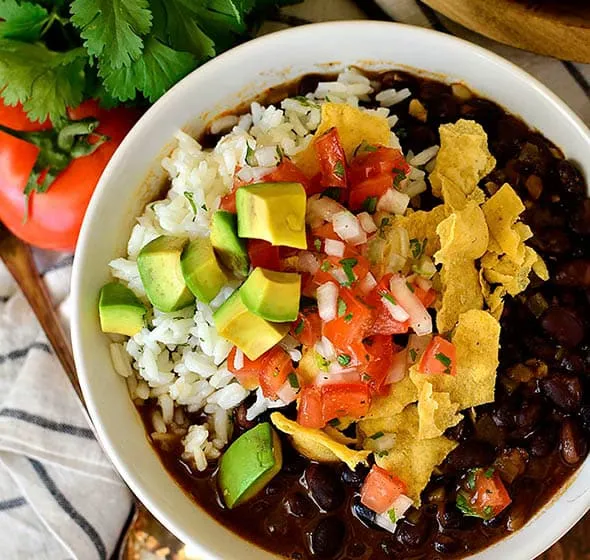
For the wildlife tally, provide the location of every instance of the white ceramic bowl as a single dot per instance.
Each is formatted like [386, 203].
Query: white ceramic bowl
[123, 191]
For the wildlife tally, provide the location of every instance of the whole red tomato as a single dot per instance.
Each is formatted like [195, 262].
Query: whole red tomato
[54, 217]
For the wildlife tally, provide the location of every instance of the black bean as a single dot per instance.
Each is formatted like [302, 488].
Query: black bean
[309, 83]
[276, 486]
[449, 517]
[481, 110]
[572, 444]
[430, 90]
[461, 431]
[356, 550]
[363, 513]
[327, 538]
[574, 274]
[242, 424]
[571, 179]
[542, 441]
[554, 241]
[324, 486]
[277, 524]
[564, 390]
[528, 415]
[299, 505]
[584, 416]
[564, 326]
[354, 478]
[419, 138]
[469, 454]
[572, 362]
[410, 535]
[443, 109]
[580, 218]
[447, 545]
[397, 80]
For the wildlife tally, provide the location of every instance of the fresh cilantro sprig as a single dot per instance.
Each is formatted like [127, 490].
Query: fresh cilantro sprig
[55, 54]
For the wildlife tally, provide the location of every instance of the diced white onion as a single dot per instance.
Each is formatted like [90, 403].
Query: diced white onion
[222, 124]
[238, 359]
[367, 222]
[416, 347]
[287, 393]
[401, 505]
[414, 188]
[420, 319]
[424, 268]
[321, 209]
[396, 311]
[307, 262]
[423, 283]
[327, 296]
[394, 201]
[383, 443]
[339, 275]
[367, 284]
[334, 248]
[424, 156]
[325, 348]
[398, 368]
[384, 521]
[346, 376]
[348, 228]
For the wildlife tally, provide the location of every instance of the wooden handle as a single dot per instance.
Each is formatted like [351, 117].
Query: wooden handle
[18, 259]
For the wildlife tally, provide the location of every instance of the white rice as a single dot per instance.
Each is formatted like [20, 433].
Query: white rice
[179, 358]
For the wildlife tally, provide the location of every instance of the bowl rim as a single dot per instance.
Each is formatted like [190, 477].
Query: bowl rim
[139, 487]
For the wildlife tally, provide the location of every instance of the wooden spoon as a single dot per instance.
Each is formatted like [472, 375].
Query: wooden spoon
[144, 533]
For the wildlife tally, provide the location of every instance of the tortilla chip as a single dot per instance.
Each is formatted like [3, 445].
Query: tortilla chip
[477, 341]
[461, 292]
[339, 437]
[463, 235]
[501, 213]
[540, 268]
[462, 161]
[513, 277]
[400, 395]
[422, 225]
[317, 445]
[436, 413]
[354, 127]
[413, 460]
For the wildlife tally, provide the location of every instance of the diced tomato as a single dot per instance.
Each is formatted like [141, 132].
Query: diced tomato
[380, 161]
[380, 349]
[380, 489]
[332, 159]
[365, 195]
[307, 329]
[483, 494]
[353, 321]
[248, 374]
[262, 253]
[325, 232]
[352, 268]
[288, 172]
[309, 413]
[384, 323]
[345, 399]
[439, 357]
[228, 202]
[426, 297]
[275, 371]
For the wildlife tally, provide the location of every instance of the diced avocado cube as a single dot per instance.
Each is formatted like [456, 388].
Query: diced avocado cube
[274, 212]
[119, 310]
[202, 273]
[249, 464]
[230, 249]
[161, 274]
[274, 296]
[252, 334]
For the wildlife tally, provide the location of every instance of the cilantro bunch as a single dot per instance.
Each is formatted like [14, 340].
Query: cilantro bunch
[55, 53]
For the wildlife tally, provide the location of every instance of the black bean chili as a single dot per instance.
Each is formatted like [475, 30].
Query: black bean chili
[536, 432]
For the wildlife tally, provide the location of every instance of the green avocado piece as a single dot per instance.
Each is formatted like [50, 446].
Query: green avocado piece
[202, 273]
[249, 464]
[119, 310]
[250, 333]
[161, 274]
[274, 212]
[274, 296]
[230, 249]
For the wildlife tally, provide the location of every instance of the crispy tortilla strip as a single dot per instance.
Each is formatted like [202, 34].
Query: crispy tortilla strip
[463, 235]
[461, 292]
[412, 459]
[339, 437]
[400, 395]
[513, 277]
[501, 213]
[317, 445]
[477, 341]
[422, 225]
[436, 413]
[354, 127]
[462, 161]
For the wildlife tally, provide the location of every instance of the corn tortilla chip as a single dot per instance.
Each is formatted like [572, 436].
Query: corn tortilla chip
[354, 127]
[422, 225]
[513, 277]
[462, 161]
[436, 413]
[317, 445]
[400, 395]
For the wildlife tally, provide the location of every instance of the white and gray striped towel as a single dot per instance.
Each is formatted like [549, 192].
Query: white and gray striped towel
[59, 497]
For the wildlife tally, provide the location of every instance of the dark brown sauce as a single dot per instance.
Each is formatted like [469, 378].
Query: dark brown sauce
[540, 421]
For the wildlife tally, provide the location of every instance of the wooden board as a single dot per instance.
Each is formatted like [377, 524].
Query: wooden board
[559, 28]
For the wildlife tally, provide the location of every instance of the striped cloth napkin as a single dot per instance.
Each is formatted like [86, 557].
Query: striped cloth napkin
[59, 497]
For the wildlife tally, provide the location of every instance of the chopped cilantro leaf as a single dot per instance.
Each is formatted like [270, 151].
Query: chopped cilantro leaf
[398, 179]
[325, 266]
[389, 297]
[334, 422]
[250, 156]
[341, 307]
[382, 453]
[348, 317]
[416, 248]
[392, 516]
[377, 435]
[23, 21]
[413, 354]
[339, 170]
[305, 101]
[471, 479]
[464, 506]
[299, 327]
[370, 204]
[317, 244]
[343, 359]
[488, 511]
[443, 359]
[410, 287]
[321, 362]
[347, 266]
[385, 222]
[191, 200]
[204, 207]
[280, 153]
[332, 192]
[293, 381]
[489, 472]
